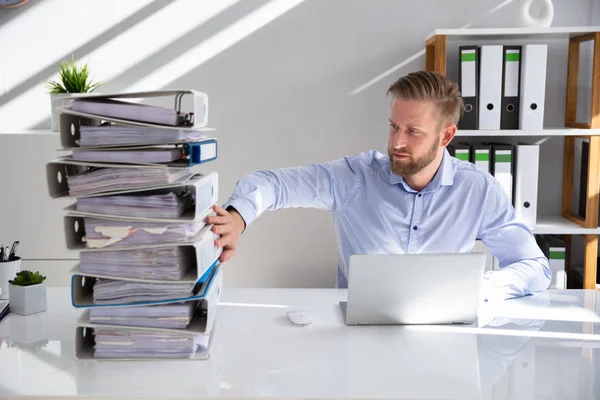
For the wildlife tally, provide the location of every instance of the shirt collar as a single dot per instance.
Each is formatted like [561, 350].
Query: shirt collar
[443, 177]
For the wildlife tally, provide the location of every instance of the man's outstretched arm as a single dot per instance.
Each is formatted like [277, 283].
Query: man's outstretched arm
[322, 186]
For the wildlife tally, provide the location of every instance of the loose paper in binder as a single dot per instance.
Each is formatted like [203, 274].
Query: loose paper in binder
[116, 233]
[175, 262]
[191, 200]
[119, 107]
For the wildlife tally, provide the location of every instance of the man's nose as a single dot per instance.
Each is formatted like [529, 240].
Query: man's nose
[399, 140]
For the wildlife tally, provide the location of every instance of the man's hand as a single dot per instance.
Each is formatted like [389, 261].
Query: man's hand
[230, 226]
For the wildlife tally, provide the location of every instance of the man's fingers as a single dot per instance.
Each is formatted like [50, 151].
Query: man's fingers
[226, 255]
[218, 220]
[220, 211]
[223, 229]
[225, 240]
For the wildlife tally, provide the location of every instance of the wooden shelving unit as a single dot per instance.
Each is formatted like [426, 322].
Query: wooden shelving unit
[567, 223]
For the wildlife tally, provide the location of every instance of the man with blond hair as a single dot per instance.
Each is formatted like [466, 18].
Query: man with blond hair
[415, 199]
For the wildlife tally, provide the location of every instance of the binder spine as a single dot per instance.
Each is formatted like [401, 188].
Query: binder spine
[202, 152]
[468, 81]
[490, 89]
[511, 80]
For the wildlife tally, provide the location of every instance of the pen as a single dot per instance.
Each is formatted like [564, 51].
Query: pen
[13, 250]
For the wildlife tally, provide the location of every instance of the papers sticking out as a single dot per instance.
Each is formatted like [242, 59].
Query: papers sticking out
[111, 136]
[161, 205]
[110, 291]
[101, 233]
[166, 263]
[98, 180]
[171, 316]
[154, 155]
[127, 343]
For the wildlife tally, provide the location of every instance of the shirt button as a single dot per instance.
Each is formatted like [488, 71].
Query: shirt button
[415, 227]
[419, 194]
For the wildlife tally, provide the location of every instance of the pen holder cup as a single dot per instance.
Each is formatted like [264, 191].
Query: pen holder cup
[8, 271]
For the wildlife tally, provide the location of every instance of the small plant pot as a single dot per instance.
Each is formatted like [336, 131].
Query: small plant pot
[58, 100]
[26, 300]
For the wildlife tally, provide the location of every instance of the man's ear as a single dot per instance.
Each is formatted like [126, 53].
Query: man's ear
[448, 135]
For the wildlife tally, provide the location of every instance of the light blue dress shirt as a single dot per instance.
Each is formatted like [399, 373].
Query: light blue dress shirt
[375, 211]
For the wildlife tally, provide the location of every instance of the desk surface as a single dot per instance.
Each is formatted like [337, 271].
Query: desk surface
[543, 346]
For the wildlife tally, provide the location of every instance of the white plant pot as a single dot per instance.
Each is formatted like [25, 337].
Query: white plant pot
[25, 300]
[58, 100]
[8, 271]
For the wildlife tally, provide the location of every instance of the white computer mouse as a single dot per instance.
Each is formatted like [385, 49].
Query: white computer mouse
[300, 317]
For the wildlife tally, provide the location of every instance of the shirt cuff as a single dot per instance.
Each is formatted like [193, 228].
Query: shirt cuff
[245, 210]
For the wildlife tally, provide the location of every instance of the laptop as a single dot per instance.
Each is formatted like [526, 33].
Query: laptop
[406, 289]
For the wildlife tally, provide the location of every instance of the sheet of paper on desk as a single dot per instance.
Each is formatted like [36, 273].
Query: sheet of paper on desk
[168, 263]
[104, 233]
[120, 343]
[106, 179]
[130, 135]
[162, 205]
[154, 155]
[176, 316]
[109, 291]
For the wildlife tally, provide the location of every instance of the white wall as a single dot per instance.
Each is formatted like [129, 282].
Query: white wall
[290, 82]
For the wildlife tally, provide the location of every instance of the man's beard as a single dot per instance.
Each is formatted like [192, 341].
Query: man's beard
[409, 166]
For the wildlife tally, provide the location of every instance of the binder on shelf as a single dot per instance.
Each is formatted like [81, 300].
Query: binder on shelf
[462, 151]
[207, 289]
[490, 86]
[511, 75]
[581, 170]
[502, 167]
[118, 107]
[469, 86]
[533, 86]
[526, 183]
[201, 192]
[555, 249]
[482, 156]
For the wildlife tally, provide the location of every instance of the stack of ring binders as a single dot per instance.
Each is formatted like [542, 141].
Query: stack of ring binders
[148, 278]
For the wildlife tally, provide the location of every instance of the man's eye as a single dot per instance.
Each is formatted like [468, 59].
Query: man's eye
[394, 126]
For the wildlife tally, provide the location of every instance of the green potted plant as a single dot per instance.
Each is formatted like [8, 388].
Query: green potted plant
[73, 79]
[27, 293]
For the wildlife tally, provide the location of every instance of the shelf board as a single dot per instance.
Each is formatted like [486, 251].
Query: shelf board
[558, 225]
[561, 32]
[536, 132]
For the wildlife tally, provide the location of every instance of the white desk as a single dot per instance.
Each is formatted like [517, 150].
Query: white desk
[257, 353]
